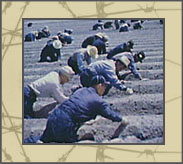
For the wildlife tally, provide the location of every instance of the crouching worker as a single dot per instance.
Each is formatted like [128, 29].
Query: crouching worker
[133, 58]
[99, 40]
[109, 70]
[98, 26]
[76, 61]
[138, 25]
[85, 104]
[124, 27]
[51, 51]
[32, 36]
[47, 86]
[65, 38]
[124, 47]
[44, 33]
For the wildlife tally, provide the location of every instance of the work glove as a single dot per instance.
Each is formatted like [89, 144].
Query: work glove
[129, 91]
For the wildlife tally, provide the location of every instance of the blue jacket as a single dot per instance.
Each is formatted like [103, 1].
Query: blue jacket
[88, 41]
[85, 104]
[118, 49]
[62, 125]
[95, 41]
[80, 56]
[30, 37]
[49, 51]
[132, 65]
[100, 46]
[106, 68]
[66, 39]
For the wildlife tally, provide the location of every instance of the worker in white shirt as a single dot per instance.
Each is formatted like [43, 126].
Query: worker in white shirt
[47, 86]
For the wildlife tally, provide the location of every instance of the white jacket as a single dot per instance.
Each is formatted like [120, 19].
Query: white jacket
[49, 86]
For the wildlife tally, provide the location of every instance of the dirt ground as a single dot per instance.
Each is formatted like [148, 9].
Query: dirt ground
[144, 109]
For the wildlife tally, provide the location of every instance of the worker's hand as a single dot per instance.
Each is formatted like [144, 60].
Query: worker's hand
[120, 128]
[129, 91]
[145, 79]
[124, 121]
[123, 81]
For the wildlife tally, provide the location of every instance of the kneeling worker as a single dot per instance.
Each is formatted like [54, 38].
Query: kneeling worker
[109, 69]
[47, 86]
[51, 51]
[85, 104]
[133, 58]
[77, 60]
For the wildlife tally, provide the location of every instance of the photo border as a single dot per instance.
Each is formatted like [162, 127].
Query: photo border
[94, 18]
[59, 19]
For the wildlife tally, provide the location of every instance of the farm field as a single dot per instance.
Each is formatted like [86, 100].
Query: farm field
[144, 109]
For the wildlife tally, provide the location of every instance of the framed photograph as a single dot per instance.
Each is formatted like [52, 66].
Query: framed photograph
[91, 81]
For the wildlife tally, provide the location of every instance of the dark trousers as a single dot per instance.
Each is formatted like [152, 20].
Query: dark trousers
[73, 65]
[116, 23]
[29, 99]
[49, 51]
[60, 128]
[137, 26]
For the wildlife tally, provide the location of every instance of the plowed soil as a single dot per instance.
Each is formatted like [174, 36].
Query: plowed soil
[144, 109]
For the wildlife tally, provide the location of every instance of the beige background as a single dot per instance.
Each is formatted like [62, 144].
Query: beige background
[14, 151]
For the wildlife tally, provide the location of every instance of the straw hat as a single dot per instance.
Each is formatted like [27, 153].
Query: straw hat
[92, 51]
[57, 44]
[102, 36]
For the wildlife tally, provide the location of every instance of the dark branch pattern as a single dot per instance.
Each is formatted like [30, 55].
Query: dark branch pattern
[100, 155]
[66, 6]
[8, 157]
[100, 13]
[65, 156]
[7, 5]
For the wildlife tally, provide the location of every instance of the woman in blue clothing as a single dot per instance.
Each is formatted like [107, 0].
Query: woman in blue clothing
[85, 104]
